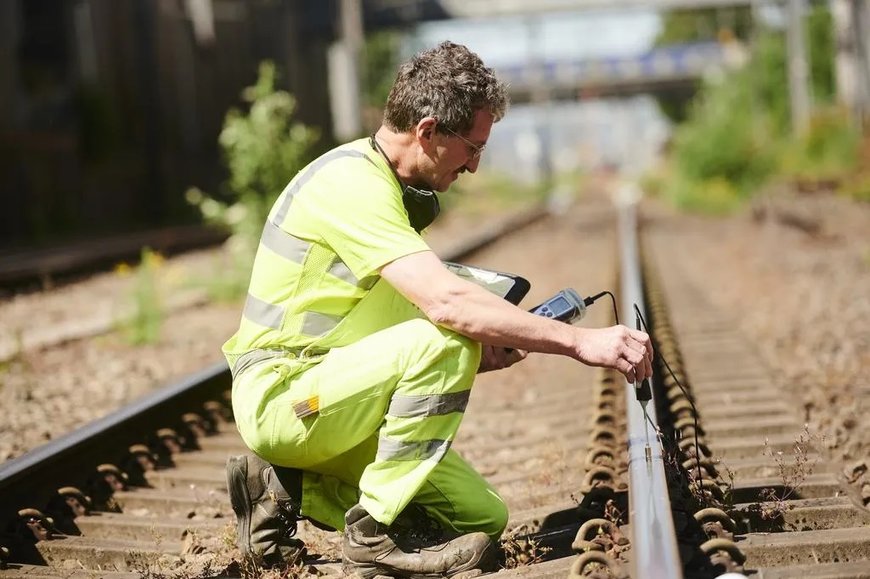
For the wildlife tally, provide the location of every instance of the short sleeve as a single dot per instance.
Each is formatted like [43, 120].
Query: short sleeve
[357, 211]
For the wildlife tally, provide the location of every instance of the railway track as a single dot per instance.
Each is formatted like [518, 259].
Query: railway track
[44, 267]
[143, 493]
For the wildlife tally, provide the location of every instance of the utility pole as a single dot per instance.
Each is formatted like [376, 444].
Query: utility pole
[798, 70]
[344, 71]
[851, 27]
[533, 146]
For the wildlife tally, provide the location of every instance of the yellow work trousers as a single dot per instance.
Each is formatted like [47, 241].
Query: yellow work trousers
[392, 390]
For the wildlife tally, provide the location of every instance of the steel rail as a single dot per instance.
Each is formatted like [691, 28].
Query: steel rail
[22, 267]
[654, 545]
[33, 477]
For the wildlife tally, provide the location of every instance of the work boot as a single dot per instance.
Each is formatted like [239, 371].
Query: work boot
[372, 550]
[266, 513]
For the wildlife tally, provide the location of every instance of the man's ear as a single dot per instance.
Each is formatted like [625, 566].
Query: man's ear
[425, 132]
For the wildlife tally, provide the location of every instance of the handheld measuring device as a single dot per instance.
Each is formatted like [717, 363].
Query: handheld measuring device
[566, 306]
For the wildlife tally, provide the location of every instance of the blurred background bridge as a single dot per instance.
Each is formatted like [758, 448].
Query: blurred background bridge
[676, 67]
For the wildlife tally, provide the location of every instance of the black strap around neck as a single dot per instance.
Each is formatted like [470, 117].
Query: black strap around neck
[373, 141]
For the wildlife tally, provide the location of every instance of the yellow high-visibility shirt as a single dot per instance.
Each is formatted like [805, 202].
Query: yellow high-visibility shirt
[328, 234]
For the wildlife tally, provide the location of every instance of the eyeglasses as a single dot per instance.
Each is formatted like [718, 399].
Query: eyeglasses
[477, 149]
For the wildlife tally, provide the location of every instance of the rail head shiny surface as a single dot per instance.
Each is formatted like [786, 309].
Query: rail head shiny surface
[654, 545]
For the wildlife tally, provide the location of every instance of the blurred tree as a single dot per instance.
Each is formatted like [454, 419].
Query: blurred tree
[767, 74]
[705, 25]
[716, 143]
[820, 37]
[699, 25]
[381, 60]
[768, 62]
[770, 74]
[737, 131]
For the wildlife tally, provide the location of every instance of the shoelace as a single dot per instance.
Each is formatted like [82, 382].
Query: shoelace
[288, 514]
[419, 528]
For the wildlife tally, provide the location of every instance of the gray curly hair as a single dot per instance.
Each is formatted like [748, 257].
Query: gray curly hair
[448, 82]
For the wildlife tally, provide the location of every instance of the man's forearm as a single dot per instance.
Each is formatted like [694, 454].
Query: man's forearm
[484, 317]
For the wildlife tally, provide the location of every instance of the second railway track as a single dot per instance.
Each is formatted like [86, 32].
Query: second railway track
[550, 434]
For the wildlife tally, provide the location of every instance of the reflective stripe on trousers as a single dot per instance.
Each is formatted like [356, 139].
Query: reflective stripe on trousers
[252, 357]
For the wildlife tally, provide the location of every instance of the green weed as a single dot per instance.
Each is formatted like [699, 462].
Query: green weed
[146, 310]
[263, 149]
[828, 151]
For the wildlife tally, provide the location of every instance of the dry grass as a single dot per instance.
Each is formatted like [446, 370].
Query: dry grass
[793, 471]
[520, 549]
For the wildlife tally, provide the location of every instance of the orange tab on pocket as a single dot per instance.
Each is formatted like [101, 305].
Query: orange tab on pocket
[307, 407]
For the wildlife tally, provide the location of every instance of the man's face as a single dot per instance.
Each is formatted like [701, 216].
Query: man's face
[455, 155]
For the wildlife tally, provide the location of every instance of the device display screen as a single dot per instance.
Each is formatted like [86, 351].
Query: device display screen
[559, 304]
[508, 286]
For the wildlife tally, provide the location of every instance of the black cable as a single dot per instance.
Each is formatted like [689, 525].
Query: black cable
[683, 390]
[645, 389]
[591, 300]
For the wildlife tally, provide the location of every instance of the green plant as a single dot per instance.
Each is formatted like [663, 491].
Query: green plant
[737, 133]
[724, 138]
[142, 324]
[822, 53]
[263, 149]
[828, 150]
[234, 267]
[716, 196]
[380, 60]
[858, 188]
[726, 149]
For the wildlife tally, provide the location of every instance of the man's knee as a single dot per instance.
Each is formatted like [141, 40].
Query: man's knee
[429, 341]
[489, 514]
[495, 517]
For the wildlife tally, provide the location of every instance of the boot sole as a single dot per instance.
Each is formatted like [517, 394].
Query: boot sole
[237, 485]
[370, 571]
[358, 572]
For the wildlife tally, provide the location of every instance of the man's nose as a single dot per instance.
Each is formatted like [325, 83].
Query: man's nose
[472, 165]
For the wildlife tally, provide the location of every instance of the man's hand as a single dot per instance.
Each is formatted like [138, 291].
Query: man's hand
[496, 358]
[619, 347]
